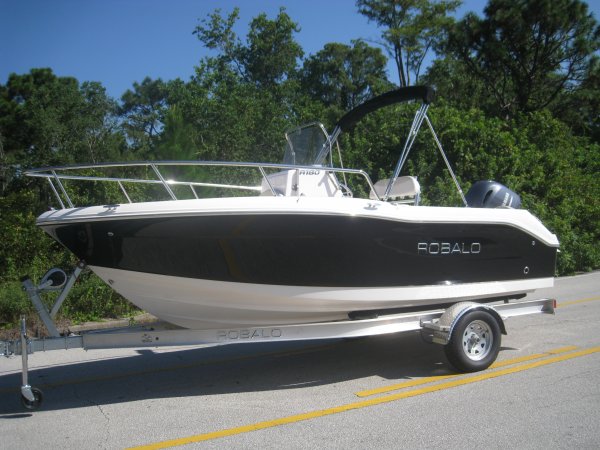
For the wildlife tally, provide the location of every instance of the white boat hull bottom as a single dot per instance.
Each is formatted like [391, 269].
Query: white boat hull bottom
[205, 304]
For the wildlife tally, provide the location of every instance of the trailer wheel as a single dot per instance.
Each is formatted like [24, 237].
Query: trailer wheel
[36, 403]
[475, 342]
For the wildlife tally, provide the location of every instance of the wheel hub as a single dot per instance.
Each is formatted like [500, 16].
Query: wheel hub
[477, 340]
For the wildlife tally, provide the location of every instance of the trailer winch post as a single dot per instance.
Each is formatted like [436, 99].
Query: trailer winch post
[70, 282]
[34, 295]
[33, 292]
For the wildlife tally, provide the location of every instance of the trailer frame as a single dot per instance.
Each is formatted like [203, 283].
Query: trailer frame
[436, 326]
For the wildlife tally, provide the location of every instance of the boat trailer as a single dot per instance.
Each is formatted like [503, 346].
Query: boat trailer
[469, 331]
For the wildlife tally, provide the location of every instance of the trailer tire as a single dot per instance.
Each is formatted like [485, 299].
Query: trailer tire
[474, 342]
[36, 403]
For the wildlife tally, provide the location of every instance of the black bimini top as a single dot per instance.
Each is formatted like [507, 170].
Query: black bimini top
[424, 93]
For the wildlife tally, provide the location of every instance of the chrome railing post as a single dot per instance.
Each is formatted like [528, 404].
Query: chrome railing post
[264, 175]
[164, 182]
[62, 189]
[124, 191]
[62, 205]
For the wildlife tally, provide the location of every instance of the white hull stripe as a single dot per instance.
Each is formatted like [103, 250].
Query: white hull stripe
[517, 218]
[198, 304]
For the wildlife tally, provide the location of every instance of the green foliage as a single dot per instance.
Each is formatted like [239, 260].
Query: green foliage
[269, 55]
[344, 76]
[411, 29]
[456, 85]
[49, 120]
[272, 53]
[24, 247]
[13, 303]
[579, 108]
[526, 53]
[92, 299]
[143, 110]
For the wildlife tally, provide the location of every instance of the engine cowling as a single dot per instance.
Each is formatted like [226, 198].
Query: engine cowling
[491, 194]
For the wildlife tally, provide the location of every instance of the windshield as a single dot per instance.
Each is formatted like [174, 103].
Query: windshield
[303, 144]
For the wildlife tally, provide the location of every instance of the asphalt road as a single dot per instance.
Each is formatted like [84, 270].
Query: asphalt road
[381, 392]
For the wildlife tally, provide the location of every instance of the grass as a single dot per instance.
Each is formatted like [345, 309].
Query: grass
[89, 300]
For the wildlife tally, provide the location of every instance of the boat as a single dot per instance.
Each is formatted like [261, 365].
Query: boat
[293, 244]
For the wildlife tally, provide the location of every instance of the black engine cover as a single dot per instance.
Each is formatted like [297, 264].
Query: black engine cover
[491, 194]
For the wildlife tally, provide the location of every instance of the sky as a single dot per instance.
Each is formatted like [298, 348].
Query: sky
[119, 42]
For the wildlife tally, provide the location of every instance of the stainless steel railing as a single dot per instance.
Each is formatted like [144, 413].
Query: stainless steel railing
[55, 175]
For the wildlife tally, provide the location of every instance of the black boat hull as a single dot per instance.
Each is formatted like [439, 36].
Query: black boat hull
[279, 260]
[310, 250]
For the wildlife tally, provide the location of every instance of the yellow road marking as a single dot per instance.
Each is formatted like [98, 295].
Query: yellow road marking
[427, 380]
[526, 358]
[566, 349]
[404, 384]
[364, 403]
[576, 302]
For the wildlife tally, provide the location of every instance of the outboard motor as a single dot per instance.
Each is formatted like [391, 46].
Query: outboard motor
[491, 194]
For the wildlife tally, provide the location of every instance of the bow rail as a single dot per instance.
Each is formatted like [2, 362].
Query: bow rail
[57, 174]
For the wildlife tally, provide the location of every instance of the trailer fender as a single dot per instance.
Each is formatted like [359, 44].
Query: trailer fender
[442, 329]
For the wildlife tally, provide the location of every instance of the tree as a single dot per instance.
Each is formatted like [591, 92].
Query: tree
[527, 52]
[50, 120]
[455, 84]
[272, 54]
[242, 97]
[344, 76]
[580, 109]
[412, 28]
[269, 55]
[143, 110]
